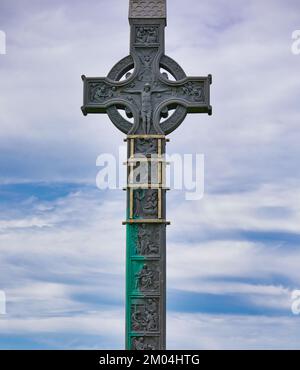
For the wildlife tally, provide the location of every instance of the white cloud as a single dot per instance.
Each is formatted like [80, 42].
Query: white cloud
[185, 331]
[231, 259]
[254, 93]
[197, 331]
[108, 323]
[251, 147]
[270, 207]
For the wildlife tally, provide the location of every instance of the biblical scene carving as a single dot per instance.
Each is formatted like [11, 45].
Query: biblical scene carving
[146, 280]
[146, 101]
[146, 74]
[146, 146]
[99, 92]
[145, 343]
[148, 240]
[146, 35]
[194, 91]
[144, 315]
[146, 203]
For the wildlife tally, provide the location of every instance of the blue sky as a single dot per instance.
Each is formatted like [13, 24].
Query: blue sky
[233, 257]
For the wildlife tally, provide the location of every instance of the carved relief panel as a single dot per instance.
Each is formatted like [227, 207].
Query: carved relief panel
[145, 315]
[145, 277]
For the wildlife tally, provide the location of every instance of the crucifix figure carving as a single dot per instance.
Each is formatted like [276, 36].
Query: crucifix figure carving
[156, 95]
[146, 104]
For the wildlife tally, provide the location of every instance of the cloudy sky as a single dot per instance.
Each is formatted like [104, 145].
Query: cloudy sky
[233, 257]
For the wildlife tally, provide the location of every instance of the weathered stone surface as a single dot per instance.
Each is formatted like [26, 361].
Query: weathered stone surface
[147, 85]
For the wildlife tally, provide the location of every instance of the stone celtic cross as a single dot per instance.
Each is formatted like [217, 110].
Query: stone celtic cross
[155, 95]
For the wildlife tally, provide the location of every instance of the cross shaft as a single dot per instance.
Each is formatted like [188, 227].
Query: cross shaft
[147, 84]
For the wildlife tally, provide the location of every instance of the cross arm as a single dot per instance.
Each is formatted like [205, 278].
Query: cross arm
[192, 92]
[99, 93]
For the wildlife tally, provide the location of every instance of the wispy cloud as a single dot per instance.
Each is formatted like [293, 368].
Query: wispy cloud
[62, 243]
